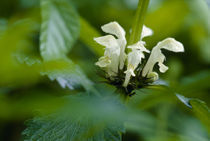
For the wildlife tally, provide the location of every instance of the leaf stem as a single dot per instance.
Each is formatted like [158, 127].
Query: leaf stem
[138, 21]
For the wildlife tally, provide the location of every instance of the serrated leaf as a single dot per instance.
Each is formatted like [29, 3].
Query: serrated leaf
[55, 129]
[59, 31]
[83, 122]
[59, 28]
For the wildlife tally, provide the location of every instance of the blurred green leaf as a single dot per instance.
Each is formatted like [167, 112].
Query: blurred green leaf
[202, 111]
[15, 38]
[196, 82]
[59, 30]
[67, 74]
[152, 96]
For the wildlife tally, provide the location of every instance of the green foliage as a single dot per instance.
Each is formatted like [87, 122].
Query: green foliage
[83, 109]
[67, 74]
[78, 123]
[59, 30]
[55, 129]
[202, 111]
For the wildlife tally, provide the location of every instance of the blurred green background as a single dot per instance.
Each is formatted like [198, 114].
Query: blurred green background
[164, 118]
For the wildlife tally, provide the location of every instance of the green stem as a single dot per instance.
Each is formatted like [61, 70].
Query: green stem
[138, 21]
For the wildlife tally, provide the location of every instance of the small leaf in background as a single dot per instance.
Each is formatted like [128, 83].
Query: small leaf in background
[199, 107]
[184, 100]
[194, 83]
[59, 30]
[67, 74]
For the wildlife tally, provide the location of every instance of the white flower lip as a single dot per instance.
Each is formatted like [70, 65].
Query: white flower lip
[158, 57]
[108, 41]
[115, 29]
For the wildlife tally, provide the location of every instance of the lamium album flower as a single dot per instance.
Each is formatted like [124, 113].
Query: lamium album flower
[128, 69]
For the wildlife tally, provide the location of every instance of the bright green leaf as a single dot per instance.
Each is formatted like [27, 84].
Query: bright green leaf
[59, 28]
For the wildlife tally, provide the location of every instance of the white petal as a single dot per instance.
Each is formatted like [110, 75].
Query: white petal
[127, 79]
[104, 61]
[139, 45]
[134, 59]
[158, 57]
[163, 68]
[171, 44]
[115, 29]
[146, 32]
[107, 41]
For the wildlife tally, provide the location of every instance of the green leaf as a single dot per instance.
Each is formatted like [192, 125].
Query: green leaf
[66, 130]
[59, 28]
[59, 31]
[67, 74]
[83, 121]
[202, 111]
[58, 129]
[196, 82]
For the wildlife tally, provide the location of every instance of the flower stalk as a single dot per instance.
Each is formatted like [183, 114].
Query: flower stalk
[138, 21]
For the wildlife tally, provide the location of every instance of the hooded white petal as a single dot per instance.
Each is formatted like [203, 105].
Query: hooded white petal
[115, 29]
[158, 57]
[110, 60]
[134, 59]
[171, 44]
[108, 41]
[146, 32]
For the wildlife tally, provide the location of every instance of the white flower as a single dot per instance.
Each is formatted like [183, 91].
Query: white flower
[115, 29]
[136, 55]
[158, 57]
[114, 56]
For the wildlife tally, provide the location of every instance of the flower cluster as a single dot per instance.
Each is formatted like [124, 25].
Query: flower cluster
[115, 59]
